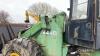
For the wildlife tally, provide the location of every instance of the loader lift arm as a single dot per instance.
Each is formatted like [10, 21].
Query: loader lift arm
[32, 30]
[35, 17]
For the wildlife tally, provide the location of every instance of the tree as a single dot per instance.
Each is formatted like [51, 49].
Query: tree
[3, 16]
[43, 9]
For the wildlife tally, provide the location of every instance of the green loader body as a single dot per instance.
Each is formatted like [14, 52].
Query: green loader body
[49, 35]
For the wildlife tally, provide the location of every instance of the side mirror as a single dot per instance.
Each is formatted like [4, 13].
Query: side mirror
[68, 9]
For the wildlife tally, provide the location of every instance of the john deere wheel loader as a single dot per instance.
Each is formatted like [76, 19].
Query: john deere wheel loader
[45, 38]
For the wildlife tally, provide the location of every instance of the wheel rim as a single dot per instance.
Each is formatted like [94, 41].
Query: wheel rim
[14, 54]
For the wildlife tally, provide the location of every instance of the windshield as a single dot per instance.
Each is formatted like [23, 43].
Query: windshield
[79, 9]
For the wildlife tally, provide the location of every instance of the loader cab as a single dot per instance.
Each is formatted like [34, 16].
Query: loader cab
[84, 23]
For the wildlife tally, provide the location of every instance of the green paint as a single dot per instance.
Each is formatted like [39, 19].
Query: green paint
[95, 53]
[52, 41]
[32, 30]
[65, 50]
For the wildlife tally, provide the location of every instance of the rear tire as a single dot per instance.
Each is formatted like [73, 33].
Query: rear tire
[23, 47]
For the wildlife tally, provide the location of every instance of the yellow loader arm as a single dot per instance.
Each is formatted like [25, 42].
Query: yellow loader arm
[36, 17]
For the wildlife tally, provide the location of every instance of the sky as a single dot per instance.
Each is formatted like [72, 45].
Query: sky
[16, 8]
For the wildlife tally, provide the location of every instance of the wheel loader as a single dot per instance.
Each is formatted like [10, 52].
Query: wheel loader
[51, 36]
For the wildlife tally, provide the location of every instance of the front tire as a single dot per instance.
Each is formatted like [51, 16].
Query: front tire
[22, 47]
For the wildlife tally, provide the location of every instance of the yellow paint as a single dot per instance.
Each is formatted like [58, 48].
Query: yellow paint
[31, 14]
[14, 54]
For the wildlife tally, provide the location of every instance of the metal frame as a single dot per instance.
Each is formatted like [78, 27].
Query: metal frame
[97, 9]
[91, 17]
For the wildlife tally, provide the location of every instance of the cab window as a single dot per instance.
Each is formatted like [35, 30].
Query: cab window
[79, 10]
[99, 10]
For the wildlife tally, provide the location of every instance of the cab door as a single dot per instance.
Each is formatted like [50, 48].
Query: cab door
[80, 24]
